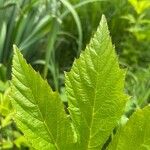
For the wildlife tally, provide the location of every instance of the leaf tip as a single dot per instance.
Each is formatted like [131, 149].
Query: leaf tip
[15, 48]
[17, 54]
[103, 19]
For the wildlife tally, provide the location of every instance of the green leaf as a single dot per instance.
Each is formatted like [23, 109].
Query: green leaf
[140, 5]
[95, 90]
[39, 111]
[5, 104]
[136, 134]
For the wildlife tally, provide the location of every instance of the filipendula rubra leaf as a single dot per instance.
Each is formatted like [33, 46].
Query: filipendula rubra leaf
[95, 90]
[135, 134]
[39, 111]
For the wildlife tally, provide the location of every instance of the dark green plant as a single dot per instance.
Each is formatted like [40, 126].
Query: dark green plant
[3, 80]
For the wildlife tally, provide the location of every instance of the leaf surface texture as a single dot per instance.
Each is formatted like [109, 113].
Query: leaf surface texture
[40, 112]
[95, 90]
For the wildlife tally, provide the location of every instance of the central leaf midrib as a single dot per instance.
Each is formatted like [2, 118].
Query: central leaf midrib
[45, 124]
[93, 109]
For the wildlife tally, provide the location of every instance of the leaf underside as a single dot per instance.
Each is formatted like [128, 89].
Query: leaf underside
[95, 90]
[135, 135]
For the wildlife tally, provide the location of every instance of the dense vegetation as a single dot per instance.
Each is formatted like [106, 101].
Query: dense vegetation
[96, 102]
[52, 33]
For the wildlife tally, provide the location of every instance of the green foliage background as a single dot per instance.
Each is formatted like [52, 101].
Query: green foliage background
[52, 33]
[96, 102]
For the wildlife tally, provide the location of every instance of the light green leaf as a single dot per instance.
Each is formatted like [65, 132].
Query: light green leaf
[95, 90]
[140, 5]
[39, 111]
[136, 134]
